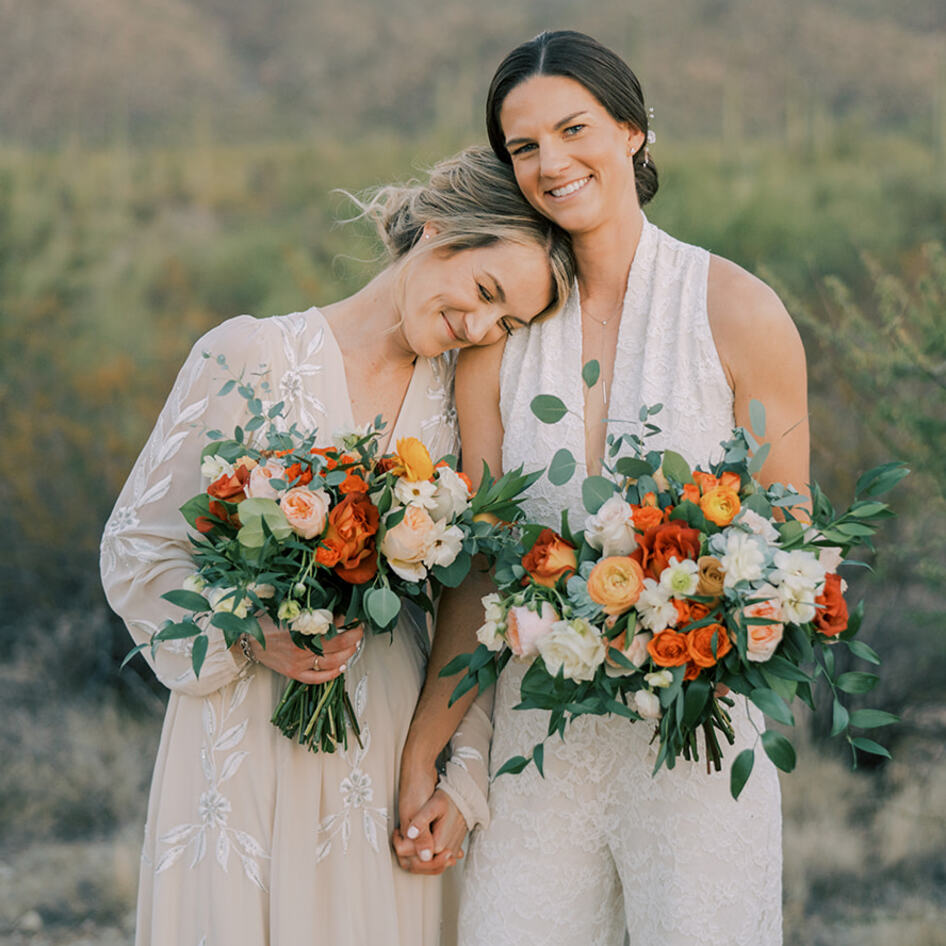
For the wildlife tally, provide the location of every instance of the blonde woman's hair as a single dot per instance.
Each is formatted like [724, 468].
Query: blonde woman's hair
[470, 200]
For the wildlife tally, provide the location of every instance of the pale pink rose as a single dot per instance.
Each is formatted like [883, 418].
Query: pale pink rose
[306, 510]
[407, 544]
[525, 628]
[764, 638]
[258, 485]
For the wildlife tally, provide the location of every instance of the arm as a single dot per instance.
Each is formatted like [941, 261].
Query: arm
[461, 612]
[763, 357]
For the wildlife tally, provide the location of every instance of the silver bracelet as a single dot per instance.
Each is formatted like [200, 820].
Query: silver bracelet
[247, 650]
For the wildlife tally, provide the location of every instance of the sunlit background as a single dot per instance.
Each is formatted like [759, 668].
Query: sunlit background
[167, 164]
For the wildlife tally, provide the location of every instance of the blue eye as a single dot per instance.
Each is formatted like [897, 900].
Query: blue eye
[573, 129]
[523, 149]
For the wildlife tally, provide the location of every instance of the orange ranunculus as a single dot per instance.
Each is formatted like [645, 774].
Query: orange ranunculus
[669, 540]
[414, 462]
[467, 482]
[295, 471]
[649, 499]
[689, 611]
[616, 583]
[353, 483]
[693, 670]
[712, 576]
[348, 545]
[230, 487]
[705, 481]
[646, 517]
[831, 617]
[668, 649]
[386, 463]
[691, 493]
[720, 505]
[328, 455]
[549, 559]
[700, 644]
[204, 525]
[731, 481]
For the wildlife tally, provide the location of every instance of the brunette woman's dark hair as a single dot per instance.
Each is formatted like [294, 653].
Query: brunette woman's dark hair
[602, 72]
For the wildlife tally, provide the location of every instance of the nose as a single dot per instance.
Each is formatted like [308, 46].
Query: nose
[480, 322]
[553, 159]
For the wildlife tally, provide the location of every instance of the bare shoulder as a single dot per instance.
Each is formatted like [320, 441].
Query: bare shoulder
[746, 317]
[477, 393]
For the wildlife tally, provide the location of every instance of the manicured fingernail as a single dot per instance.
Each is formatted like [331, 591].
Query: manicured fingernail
[413, 832]
[426, 855]
[343, 668]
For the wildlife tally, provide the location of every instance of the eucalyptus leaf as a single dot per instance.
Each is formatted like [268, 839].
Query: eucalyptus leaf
[383, 606]
[591, 372]
[548, 408]
[595, 491]
[562, 467]
[676, 468]
[757, 418]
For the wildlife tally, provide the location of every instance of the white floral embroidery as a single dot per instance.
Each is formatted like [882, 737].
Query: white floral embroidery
[294, 387]
[220, 760]
[462, 754]
[357, 793]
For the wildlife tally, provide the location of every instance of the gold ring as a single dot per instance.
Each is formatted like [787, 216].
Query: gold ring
[315, 663]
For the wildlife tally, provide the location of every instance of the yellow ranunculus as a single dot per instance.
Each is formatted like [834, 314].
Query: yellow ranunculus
[720, 505]
[415, 463]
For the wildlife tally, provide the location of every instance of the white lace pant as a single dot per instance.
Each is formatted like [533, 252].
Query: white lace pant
[598, 846]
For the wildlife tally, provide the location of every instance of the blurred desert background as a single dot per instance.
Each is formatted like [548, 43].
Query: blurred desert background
[167, 164]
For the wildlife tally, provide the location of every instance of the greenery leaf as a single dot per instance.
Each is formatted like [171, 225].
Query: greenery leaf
[779, 750]
[562, 467]
[740, 771]
[595, 491]
[676, 468]
[382, 605]
[872, 718]
[633, 467]
[548, 408]
[839, 718]
[772, 705]
[868, 745]
[759, 458]
[857, 682]
[199, 653]
[538, 753]
[450, 576]
[697, 695]
[189, 600]
[514, 765]
[591, 372]
[757, 418]
[864, 651]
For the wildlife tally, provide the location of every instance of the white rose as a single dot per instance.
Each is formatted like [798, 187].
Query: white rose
[798, 600]
[214, 467]
[313, 621]
[680, 578]
[757, 525]
[654, 607]
[659, 679]
[289, 610]
[575, 647]
[611, 528]
[742, 556]
[493, 608]
[258, 486]
[417, 493]
[799, 567]
[194, 583]
[226, 601]
[452, 495]
[647, 704]
[491, 634]
[345, 438]
[445, 545]
[262, 590]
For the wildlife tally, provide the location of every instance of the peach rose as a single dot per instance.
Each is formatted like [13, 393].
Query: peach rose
[616, 583]
[669, 540]
[305, 510]
[668, 649]
[348, 545]
[549, 559]
[525, 628]
[406, 545]
[701, 641]
[831, 616]
[413, 460]
[258, 486]
[720, 505]
[711, 575]
[636, 653]
[763, 639]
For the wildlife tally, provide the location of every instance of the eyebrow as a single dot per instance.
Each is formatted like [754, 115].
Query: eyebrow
[561, 123]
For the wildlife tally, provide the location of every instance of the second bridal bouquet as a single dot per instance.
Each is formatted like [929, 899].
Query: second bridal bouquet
[683, 580]
[302, 532]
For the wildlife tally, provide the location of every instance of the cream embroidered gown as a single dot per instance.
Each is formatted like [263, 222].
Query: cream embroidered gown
[251, 839]
[599, 849]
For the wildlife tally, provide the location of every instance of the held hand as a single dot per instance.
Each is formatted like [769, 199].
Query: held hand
[282, 656]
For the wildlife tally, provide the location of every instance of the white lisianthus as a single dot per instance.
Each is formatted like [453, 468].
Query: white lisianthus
[658, 679]
[345, 438]
[445, 545]
[575, 647]
[742, 555]
[451, 496]
[417, 493]
[225, 601]
[830, 559]
[289, 610]
[654, 607]
[262, 590]
[757, 525]
[797, 598]
[493, 608]
[214, 467]
[611, 528]
[194, 583]
[799, 567]
[313, 621]
[647, 704]
[491, 635]
[680, 578]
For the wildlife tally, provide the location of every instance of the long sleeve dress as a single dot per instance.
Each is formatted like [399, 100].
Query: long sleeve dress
[250, 838]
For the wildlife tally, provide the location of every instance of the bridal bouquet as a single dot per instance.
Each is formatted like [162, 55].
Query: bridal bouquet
[681, 581]
[301, 532]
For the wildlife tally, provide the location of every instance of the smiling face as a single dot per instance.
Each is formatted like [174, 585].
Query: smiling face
[572, 160]
[456, 299]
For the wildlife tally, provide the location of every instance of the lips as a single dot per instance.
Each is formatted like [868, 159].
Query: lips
[450, 330]
[566, 190]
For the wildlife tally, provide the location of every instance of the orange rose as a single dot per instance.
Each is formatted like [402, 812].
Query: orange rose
[712, 576]
[328, 454]
[720, 505]
[705, 481]
[467, 481]
[668, 649]
[669, 540]
[230, 488]
[692, 671]
[731, 481]
[691, 493]
[348, 545]
[646, 517]
[386, 463]
[549, 559]
[831, 617]
[689, 611]
[295, 471]
[353, 483]
[700, 644]
[414, 461]
[616, 583]
[204, 525]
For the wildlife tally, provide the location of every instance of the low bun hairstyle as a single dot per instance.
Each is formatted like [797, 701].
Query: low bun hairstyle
[603, 73]
[472, 200]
